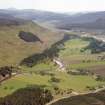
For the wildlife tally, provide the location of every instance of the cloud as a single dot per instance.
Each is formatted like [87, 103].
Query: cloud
[56, 5]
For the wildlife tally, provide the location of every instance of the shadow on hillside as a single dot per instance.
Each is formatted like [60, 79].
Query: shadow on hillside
[29, 37]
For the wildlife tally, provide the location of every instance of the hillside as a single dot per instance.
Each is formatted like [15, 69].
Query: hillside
[13, 48]
[28, 52]
[7, 19]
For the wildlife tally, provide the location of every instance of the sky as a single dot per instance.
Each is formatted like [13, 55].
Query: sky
[56, 5]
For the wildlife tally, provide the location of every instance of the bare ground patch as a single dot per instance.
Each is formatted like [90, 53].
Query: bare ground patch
[98, 69]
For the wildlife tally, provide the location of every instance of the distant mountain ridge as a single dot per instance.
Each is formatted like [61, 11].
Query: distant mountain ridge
[8, 19]
[87, 21]
[30, 14]
[93, 20]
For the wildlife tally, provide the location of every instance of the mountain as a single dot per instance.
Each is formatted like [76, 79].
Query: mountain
[96, 24]
[30, 14]
[16, 25]
[86, 17]
[62, 20]
[94, 20]
[20, 38]
[7, 19]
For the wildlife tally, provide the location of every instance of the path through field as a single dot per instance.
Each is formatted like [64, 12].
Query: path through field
[77, 94]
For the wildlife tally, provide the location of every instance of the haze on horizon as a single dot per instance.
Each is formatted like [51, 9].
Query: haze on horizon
[55, 5]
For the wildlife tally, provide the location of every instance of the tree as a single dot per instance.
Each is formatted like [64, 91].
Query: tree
[28, 96]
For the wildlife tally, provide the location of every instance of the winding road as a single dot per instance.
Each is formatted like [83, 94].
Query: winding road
[55, 100]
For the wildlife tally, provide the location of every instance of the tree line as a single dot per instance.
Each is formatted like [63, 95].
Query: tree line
[48, 53]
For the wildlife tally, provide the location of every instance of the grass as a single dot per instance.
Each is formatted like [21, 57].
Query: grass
[76, 58]
[73, 57]
[31, 77]
[13, 49]
[22, 81]
[74, 46]
[86, 65]
[77, 83]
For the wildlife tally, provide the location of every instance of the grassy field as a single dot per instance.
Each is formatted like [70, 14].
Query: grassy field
[34, 76]
[42, 74]
[77, 83]
[75, 57]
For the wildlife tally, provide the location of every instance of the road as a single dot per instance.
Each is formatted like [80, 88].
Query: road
[55, 100]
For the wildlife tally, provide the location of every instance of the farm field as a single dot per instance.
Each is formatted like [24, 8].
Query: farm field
[66, 81]
[75, 57]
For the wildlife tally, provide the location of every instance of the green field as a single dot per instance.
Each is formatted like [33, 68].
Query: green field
[75, 57]
[33, 76]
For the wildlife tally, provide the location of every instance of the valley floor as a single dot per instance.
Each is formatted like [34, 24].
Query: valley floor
[48, 75]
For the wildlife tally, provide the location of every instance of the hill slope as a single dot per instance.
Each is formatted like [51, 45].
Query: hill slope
[14, 48]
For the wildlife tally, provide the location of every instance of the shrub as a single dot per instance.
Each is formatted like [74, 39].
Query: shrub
[54, 79]
[100, 78]
[28, 96]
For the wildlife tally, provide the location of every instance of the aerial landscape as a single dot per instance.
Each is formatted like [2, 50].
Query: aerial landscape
[52, 53]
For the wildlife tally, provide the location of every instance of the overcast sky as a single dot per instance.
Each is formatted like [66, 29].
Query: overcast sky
[56, 5]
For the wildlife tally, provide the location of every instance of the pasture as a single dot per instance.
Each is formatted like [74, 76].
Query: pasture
[42, 74]
[47, 74]
[75, 57]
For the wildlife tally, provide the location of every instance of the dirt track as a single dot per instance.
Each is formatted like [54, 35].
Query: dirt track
[55, 100]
